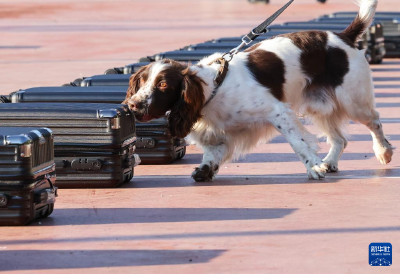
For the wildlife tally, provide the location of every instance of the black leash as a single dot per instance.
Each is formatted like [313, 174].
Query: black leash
[257, 31]
[246, 40]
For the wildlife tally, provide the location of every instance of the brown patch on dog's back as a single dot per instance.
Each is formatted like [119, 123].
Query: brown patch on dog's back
[269, 70]
[325, 66]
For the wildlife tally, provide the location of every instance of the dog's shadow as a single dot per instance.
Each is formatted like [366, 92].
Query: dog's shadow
[165, 181]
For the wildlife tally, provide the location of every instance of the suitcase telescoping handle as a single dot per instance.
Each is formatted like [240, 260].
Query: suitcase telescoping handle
[47, 196]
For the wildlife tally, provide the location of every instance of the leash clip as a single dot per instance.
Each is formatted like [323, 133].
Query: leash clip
[232, 52]
[248, 41]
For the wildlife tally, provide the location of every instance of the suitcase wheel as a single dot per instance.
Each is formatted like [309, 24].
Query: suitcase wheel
[182, 153]
[75, 83]
[114, 71]
[111, 71]
[144, 60]
[49, 210]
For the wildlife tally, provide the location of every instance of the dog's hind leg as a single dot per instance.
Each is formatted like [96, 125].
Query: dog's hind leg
[359, 107]
[332, 126]
[382, 148]
[288, 124]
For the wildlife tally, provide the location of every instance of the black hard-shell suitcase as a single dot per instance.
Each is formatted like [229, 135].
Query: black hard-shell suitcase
[27, 174]
[98, 94]
[106, 80]
[94, 143]
[182, 55]
[128, 69]
[155, 145]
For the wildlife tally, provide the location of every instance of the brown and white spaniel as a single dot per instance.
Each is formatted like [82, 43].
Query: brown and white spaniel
[319, 74]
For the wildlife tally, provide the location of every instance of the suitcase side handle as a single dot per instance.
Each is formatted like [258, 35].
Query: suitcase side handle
[145, 142]
[3, 200]
[86, 164]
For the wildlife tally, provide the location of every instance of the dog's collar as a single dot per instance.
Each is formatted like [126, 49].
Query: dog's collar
[220, 77]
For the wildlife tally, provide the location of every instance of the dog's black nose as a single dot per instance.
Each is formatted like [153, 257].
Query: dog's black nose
[133, 105]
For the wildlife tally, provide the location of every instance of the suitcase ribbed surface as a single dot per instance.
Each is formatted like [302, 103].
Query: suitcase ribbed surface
[74, 123]
[100, 94]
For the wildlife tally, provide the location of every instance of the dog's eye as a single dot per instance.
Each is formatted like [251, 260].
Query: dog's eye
[162, 84]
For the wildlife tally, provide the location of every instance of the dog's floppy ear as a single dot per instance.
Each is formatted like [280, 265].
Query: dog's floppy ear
[187, 110]
[134, 84]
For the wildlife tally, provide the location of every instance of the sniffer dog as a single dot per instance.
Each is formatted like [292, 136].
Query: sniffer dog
[318, 74]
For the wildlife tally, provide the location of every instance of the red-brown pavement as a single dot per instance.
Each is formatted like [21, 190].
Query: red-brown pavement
[261, 215]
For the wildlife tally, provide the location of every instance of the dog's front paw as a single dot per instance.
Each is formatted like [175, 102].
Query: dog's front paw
[203, 174]
[315, 171]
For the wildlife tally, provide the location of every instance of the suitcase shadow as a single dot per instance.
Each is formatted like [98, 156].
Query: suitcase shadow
[90, 216]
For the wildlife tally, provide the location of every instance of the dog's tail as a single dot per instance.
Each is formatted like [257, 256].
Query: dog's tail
[363, 20]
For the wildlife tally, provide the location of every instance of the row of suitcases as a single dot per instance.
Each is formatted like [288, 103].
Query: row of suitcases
[92, 143]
